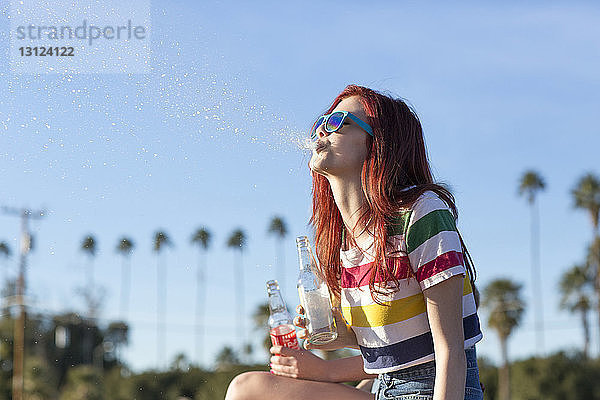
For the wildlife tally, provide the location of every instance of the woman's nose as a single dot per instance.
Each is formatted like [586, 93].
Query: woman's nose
[321, 131]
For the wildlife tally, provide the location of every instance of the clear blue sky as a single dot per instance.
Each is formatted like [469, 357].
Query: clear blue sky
[208, 138]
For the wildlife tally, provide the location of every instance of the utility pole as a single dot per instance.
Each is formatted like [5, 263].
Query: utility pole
[19, 331]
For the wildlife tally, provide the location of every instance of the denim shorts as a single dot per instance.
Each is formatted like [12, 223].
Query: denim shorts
[416, 383]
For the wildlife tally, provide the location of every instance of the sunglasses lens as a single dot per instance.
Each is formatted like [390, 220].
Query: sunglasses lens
[316, 126]
[334, 122]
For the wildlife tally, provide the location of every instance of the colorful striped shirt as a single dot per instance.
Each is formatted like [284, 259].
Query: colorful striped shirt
[397, 335]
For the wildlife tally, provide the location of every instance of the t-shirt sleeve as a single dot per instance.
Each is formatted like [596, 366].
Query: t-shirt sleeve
[432, 242]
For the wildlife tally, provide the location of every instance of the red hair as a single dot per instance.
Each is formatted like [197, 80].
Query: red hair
[396, 159]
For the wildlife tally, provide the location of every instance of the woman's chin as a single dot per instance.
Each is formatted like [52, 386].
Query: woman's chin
[317, 165]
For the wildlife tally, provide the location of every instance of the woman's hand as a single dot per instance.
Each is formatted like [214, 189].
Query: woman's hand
[301, 364]
[346, 337]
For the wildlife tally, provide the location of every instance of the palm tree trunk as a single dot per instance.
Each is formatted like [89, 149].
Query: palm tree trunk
[163, 324]
[586, 333]
[161, 276]
[240, 301]
[598, 304]
[200, 297]
[91, 313]
[536, 278]
[597, 276]
[125, 283]
[503, 373]
[91, 275]
[281, 262]
[157, 311]
[90, 288]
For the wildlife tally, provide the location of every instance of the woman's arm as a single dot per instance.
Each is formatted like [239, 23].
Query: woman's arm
[348, 369]
[444, 311]
[303, 364]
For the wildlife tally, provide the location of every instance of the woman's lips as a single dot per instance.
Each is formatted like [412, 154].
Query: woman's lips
[320, 147]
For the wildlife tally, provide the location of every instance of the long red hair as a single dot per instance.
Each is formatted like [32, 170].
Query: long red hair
[396, 160]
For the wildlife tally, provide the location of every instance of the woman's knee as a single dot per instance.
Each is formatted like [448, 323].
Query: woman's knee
[249, 386]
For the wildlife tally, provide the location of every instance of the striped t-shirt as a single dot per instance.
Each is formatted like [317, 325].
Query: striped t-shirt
[397, 335]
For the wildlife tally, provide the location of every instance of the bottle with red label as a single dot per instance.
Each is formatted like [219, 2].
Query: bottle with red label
[281, 327]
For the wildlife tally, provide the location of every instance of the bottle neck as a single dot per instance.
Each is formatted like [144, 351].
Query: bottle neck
[305, 256]
[276, 303]
[305, 259]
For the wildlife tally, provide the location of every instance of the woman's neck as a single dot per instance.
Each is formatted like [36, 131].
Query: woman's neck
[349, 197]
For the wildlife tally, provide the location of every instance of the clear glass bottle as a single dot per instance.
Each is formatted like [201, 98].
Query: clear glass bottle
[314, 297]
[281, 326]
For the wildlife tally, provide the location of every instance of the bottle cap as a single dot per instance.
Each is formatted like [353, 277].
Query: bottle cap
[302, 240]
[272, 285]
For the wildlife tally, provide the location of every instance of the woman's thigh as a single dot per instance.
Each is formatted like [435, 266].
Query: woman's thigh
[414, 383]
[263, 385]
[417, 383]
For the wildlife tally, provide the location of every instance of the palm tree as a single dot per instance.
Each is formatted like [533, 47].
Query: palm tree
[575, 288]
[593, 269]
[226, 358]
[161, 240]
[593, 256]
[261, 320]
[88, 246]
[503, 301]
[587, 197]
[237, 242]
[531, 184]
[201, 239]
[125, 248]
[278, 228]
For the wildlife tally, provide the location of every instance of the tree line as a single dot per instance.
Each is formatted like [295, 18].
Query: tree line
[501, 298]
[202, 239]
[579, 285]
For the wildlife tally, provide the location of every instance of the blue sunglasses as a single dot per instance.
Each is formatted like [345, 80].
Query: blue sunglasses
[334, 121]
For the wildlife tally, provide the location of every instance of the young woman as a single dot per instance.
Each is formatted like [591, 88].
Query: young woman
[388, 246]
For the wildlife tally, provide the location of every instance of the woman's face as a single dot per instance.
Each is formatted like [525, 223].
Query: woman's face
[342, 153]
